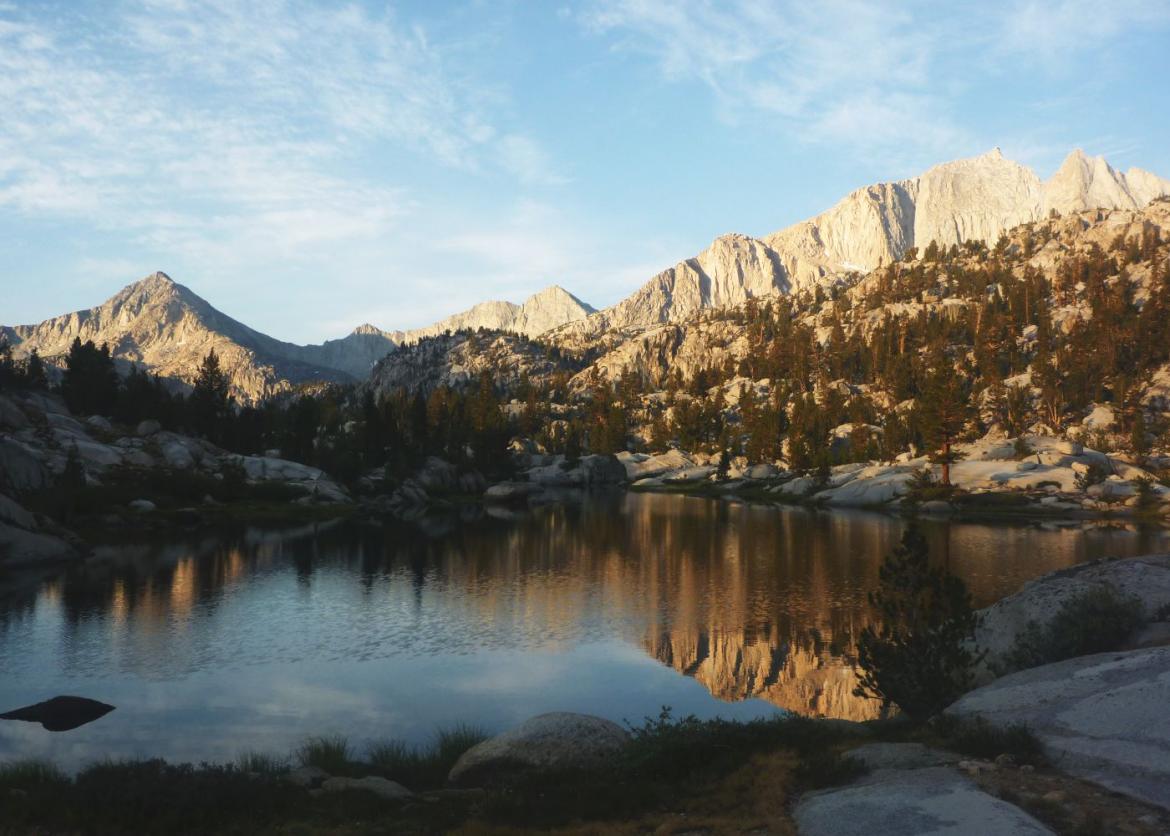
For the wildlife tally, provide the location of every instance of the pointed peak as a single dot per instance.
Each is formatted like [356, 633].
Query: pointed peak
[157, 278]
[154, 284]
[554, 292]
[994, 154]
[367, 328]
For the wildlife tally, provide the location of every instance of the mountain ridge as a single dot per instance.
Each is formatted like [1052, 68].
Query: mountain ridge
[167, 328]
[977, 197]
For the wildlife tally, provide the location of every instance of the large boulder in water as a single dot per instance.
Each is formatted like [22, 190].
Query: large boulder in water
[550, 741]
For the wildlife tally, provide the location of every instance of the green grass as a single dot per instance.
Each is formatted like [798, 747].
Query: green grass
[424, 767]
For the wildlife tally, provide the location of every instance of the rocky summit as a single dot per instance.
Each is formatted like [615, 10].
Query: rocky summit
[974, 199]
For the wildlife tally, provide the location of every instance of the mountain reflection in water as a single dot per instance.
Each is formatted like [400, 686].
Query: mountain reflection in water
[255, 638]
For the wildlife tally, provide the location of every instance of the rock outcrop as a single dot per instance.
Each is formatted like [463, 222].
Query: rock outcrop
[912, 802]
[1145, 580]
[457, 361]
[1102, 717]
[36, 446]
[26, 541]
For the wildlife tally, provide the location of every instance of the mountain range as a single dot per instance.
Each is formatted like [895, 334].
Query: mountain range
[168, 329]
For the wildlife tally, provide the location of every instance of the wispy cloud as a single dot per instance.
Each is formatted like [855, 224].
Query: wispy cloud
[1056, 35]
[840, 70]
[881, 75]
[215, 129]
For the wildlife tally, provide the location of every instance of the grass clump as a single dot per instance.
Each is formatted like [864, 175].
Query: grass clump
[423, 768]
[330, 753]
[23, 774]
[1095, 621]
[261, 763]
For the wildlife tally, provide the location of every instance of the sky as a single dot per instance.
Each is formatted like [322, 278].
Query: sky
[310, 166]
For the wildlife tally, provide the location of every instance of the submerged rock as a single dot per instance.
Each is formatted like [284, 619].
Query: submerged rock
[61, 713]
[549, 741]
[509, 492]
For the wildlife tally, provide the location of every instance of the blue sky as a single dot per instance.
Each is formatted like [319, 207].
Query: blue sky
[310, 166]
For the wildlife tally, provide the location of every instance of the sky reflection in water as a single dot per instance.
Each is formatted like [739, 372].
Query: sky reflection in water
[254, 640]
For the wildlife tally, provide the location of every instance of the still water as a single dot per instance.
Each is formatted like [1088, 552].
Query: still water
[254, 639]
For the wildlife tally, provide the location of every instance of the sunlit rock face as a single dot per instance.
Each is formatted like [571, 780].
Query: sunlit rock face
[971, 199]
[166, 329]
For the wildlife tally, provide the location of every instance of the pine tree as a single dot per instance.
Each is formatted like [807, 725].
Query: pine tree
[9, 374]
[35, 376]
[90, 382]
[916, 655]
[210, 401]
[943, 410]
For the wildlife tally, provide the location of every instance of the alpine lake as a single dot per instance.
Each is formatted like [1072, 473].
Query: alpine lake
[217, 642]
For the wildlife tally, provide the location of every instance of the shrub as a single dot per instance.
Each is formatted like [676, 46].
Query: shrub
[1021, 449]
[923, 487]
[917, 656]
[1095, 475]
[1095, 621]
[980, 739]
[665, 747]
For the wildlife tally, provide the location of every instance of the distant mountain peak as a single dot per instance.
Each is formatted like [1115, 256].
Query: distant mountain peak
[367, 328]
